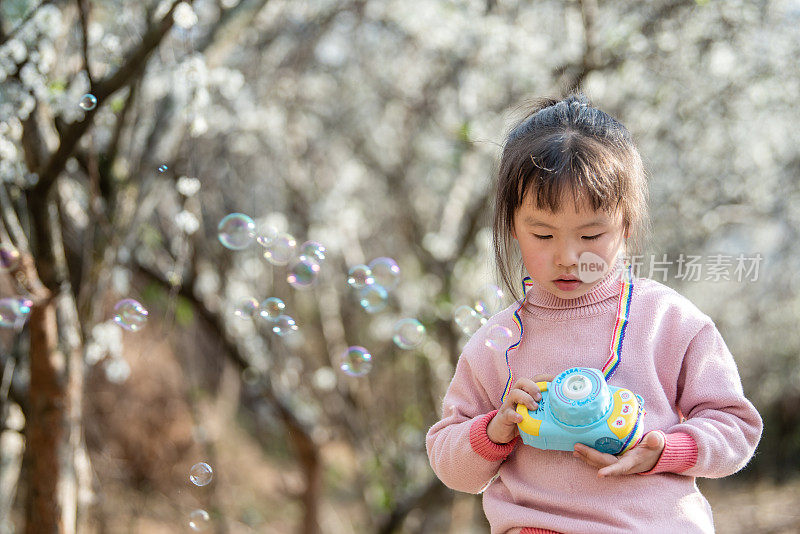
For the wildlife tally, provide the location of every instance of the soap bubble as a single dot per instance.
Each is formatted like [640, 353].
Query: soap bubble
[236, 231]
[246, 308]
[385, 272]
[467, 319]
[266, 237]
[499, 338]
[9, 257]
[408, 333]
[201, 474]
[88, 102]
[303, 272]
[373, 298]
[251, 375]
[130, 315]
[14, 311]
[272, 308]
[313, 249]
[360, 276]
[281, 249]
[490, 300]
[162, 168]
[355, 361]
[284, 325]
[198, 520]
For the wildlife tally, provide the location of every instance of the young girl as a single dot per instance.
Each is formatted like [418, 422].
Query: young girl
[571, 186]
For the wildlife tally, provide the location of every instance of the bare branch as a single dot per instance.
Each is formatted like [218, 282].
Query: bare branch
[83, 12]
[102, 91]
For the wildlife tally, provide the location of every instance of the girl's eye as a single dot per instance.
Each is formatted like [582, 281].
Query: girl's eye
[590, 237]
[542, 236]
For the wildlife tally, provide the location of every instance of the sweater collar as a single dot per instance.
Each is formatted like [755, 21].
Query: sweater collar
[603, 294]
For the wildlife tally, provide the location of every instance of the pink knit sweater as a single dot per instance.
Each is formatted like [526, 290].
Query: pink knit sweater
[673, 357]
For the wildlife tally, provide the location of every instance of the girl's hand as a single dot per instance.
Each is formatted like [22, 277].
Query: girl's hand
[643, 457]
[503, 426]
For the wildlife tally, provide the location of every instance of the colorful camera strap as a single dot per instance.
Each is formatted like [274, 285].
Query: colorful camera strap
[527, 282]
[620, 325]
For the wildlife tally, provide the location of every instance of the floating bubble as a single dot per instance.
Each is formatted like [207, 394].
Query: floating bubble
[499, 338]
[467, 319]
[373, 298]
[272, 308]
[201, 474]
[251, 375]
[267, 237]
[236, 231]
[246, 308]
[130, 314]
[360, 276]
[313, 249]
[386, 272]
[162, 168]
[303, 272]
[9, 257]
[199, 520]
[408, 333]
[281, 249]
[14, 311]
[284, 325]
[490, 300]
[355, 361]
[88, 102]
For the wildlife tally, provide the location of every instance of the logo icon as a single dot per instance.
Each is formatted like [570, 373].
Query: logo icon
[591, 267]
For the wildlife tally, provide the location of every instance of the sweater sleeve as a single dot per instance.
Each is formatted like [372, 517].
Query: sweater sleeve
[459, 451]
[724, 425]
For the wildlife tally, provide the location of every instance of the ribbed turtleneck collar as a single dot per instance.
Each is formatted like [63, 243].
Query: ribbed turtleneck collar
[602, 296]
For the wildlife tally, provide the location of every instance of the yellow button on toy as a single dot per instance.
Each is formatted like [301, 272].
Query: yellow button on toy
[528, 425]
[623, 416]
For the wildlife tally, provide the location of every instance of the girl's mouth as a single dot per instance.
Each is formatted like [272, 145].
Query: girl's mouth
[567, 284]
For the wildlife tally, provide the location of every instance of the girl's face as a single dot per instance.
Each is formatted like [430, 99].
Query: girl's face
[552, 244]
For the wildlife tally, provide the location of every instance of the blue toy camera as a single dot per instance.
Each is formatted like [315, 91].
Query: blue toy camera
[578, 406]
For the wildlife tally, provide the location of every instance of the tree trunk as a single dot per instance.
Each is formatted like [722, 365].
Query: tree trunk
[44, 428]
[55, 456]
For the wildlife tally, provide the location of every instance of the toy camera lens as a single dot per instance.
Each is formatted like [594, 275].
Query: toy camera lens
[577, 387]
[608, 445]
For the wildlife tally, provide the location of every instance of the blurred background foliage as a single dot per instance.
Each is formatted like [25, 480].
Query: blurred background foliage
[372, 127]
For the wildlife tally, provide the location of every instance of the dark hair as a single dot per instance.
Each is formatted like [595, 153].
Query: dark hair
[562, 147]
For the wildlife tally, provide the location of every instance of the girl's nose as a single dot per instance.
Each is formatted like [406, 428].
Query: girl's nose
[567, 256]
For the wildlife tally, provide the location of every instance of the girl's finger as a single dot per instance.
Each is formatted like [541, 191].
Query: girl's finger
[625, 465]
[543, 378]
[518, 396]
[529, 387]
[510, 416]
[611, 470]
[587, 459]
[600, 459]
